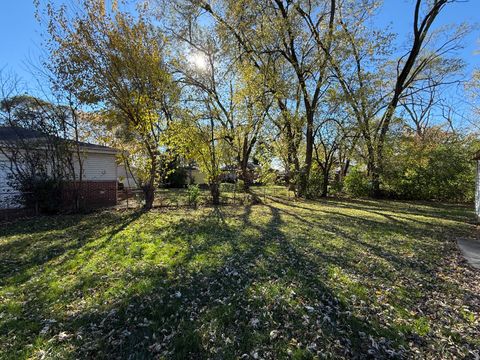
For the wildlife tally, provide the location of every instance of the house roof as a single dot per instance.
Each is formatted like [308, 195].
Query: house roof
[13, 133]
[10, 134]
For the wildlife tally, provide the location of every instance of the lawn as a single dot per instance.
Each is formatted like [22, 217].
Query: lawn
[284, 279]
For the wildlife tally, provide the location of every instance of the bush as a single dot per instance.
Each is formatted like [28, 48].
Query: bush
[356, 183]
[240, 185]
[227, 187]
[434, 169]
[41, 193]
[315, 184]
[336, 187]
[193, 195]
[177, 178]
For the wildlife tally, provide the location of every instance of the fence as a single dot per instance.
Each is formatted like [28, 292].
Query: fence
[230, 194]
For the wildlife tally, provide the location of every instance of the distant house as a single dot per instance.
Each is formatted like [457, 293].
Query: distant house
[99, 175]
[229, 174]
[477, 188]
[194, 175]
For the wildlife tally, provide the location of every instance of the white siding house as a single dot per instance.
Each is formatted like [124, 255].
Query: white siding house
[99, 175]
[98, 165]
[125, 177]
[7, 193]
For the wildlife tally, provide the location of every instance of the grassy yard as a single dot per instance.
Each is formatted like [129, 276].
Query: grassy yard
[279, 280]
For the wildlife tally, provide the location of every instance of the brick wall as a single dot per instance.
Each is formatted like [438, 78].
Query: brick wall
[92, 194]
[13, 214]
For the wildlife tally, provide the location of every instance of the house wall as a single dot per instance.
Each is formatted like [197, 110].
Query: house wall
[98, 167]
[99, 182]
[477, 192]
[197, 176]
[7, 193]
[98, 187]
[91, 194]
[125, 177]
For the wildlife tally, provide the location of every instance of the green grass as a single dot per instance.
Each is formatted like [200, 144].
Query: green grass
[279, 280]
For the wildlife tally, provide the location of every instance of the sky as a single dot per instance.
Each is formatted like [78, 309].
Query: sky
[21, 34]
[20, 39]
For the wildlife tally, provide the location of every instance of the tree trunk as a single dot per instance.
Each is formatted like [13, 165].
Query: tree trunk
[345, 168]
[292, 156]
[305, 172]
[245, 176]
[215, 192]
[149, 193]
[325, 184]
[374, 170]
[376, 192]
[375, 178]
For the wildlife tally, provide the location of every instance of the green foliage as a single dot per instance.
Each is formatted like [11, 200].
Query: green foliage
[40, 192]
[431, 169]
[356, 183]
[315, 184]
[177, 177]
[336, 187]
[228, 187]
[193, 195]
[240, 185]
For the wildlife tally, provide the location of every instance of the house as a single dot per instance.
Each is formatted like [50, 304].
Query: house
[229, 174]
[477, 187]
[97, 185]
[194, 176]
[125, 177]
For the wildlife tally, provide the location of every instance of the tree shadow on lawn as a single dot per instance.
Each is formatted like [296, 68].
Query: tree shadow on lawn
[20, 256]
[263, 295]
[420, 248]
[438, 210]
[239, 284]
[441, 211]
[224, 311]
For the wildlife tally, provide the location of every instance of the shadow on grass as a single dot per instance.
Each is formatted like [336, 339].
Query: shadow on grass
[44, 243]
[237, 284]
[212, 311]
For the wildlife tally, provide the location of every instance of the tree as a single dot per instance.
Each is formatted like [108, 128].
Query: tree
[231, 87]
[197, 137]
[436, 165]
[332, 134]
[283, 36]
[117, 62]
[206, 134]
[363, 67]
[473, 90]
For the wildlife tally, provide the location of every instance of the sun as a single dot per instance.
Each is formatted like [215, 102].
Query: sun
[198, 60]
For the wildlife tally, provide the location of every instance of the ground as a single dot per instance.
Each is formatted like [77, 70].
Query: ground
[283, 279]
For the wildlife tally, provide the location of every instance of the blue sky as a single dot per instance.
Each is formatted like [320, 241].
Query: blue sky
[21, 39]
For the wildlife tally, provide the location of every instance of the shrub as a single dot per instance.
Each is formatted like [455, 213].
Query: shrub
[177, 178]
[336, 187]
[433, 169]
[227, 187]
[193, 195]
[39, 192]
[315, 184]
[356, 183]
[240, 185]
